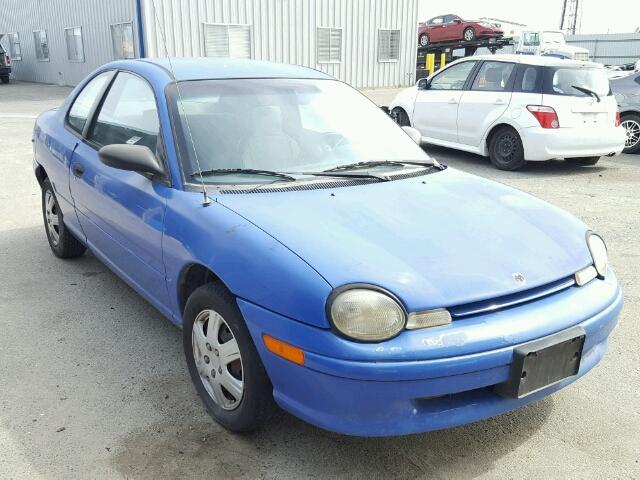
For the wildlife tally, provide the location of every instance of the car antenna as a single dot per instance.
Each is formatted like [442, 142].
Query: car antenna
[206, 202]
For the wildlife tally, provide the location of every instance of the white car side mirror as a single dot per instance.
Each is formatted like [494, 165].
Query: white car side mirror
[414, 134]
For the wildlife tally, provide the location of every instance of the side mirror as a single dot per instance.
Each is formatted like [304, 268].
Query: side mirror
[135, 158]
[423, 84]
[415, 135]
[457, 20]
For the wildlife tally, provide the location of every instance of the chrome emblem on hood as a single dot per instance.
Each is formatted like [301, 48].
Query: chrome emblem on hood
[518, 278]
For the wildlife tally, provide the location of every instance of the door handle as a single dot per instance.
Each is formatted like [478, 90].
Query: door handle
[453, 100]
[77, 169]
[499, 102]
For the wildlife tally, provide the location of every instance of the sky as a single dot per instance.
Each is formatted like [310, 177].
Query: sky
[598, 16]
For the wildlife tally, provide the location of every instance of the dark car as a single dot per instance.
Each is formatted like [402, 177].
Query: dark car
[450, 28]
[5, 64]
[627, 92]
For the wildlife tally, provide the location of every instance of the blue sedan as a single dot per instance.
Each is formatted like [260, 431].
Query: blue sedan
[314, 256]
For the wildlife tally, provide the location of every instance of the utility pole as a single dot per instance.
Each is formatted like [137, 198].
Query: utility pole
[570, 14]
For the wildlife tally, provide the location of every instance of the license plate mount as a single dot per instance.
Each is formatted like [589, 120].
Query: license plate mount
[545, 362]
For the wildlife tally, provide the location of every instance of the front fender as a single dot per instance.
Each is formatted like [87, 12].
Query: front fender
[252, 264]
[406, 100]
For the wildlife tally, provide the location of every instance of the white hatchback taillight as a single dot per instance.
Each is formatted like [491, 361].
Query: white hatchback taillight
[618, 119]
[546, 116]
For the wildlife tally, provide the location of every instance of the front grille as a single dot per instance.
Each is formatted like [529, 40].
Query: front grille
[493, 304]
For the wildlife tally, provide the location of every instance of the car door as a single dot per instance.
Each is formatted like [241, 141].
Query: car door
[485, 101]
[436, 29]
[436, 107]
[122, 212]
[452, 28]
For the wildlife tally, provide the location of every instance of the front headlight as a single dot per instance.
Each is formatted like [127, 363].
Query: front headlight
[367, 315]
[598, 252]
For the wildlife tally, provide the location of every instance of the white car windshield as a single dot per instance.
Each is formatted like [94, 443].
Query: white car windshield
[283, 125]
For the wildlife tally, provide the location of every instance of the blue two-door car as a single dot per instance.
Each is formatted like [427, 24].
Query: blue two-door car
[314, 254]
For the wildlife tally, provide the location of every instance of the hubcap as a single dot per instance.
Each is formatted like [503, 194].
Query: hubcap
[468, 35]
[506, 147]
[218, 360]
[51, 217]
[424, 40]
[633, 133]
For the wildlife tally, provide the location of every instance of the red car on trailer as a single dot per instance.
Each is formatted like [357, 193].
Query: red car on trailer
[450, 28]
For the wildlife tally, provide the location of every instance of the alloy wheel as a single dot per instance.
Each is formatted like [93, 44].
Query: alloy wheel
[51, 217]
[468, 34]
[218, 360]
[633, 133]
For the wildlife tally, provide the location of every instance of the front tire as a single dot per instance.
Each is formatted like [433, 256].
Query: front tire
[223, 361]
[505, 149]
[5, 79]
[62, 242]
[631, 123]
[469, 34]
[423, 40]
[586, 161]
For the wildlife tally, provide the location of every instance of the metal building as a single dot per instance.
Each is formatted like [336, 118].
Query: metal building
[367, 43]
[609, 48]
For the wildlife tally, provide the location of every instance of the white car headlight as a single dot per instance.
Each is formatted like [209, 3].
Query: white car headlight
[367, 315]
[598, 252]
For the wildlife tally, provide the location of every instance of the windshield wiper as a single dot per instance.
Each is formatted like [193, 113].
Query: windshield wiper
[380, 163]
[587, 91]
[243, 171]
[332, 173]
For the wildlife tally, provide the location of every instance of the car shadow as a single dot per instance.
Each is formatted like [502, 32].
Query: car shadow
[116, 381]
[480, 165]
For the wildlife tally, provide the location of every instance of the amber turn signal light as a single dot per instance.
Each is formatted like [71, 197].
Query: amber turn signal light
[283, 349]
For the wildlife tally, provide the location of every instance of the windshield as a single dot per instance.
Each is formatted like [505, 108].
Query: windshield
[531, 39]
[564, 80]
[284, 125]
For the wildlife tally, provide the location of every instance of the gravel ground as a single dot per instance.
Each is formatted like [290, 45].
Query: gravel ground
[93, 383]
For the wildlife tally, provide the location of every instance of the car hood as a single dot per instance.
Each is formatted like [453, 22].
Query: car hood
[437, 240]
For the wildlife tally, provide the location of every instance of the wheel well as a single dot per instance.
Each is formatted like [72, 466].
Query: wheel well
[191, 278]
[630, 112]
[402, 109]
[41, 174]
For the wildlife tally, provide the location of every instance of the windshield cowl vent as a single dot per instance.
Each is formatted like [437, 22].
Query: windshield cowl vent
[320, 184]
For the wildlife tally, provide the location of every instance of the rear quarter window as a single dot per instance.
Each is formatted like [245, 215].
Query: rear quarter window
[86, 99]
[528, 79]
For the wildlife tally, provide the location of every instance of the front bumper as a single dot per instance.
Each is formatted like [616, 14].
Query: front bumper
[426, 379]
[4, 71]
[547, 144]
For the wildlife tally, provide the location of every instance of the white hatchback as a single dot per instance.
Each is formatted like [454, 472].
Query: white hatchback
[516, 108]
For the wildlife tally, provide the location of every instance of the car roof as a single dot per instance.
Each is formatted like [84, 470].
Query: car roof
[542, 60]
[200, 68]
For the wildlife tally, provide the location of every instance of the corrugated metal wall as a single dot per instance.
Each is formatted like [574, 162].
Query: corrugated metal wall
[94, 16]
[609, 48]
[285, 31]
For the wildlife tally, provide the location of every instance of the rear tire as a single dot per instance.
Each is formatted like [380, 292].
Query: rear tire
[5, 79]
[586, 161]
[505, 149]
[631, 123]
[213, 304]
[62, 242]
[423, 40]
[400, 117]
[469, 34]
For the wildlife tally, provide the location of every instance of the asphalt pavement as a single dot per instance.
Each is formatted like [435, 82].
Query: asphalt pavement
[93, 383]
